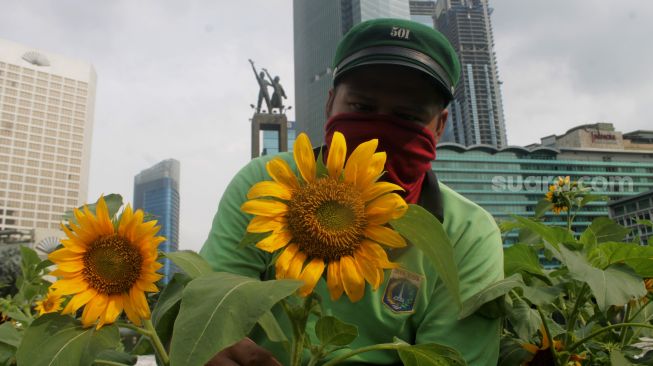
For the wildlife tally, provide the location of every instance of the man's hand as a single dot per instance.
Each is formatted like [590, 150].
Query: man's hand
[244, 353]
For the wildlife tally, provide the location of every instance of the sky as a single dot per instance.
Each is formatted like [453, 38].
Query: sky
[174, 79]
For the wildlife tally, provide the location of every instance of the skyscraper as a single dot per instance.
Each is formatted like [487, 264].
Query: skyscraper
[156, 191]
[318, 27]
[46, 123]
[476, 113]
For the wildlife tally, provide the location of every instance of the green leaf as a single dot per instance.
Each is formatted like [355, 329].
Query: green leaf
[607, 254]
[333, 332]
[190, 262]
[167, 307]
[252, 238]
[61, 340]
[43, 265]
[592, 198]
[10, 335]
[552, 234]
[604, 229]
[648, 223]
[271, 327]
[524, 320]
[643, 267]
[614, 286]
[522, 258]
[113, 201]
[618, 359]
[430, 354]
[219, 309]
[116, 356]
[426, 233]
[320, 169]
[490, 293]
[512, 353]
[539, 295]
[542, 207]
[7, 355]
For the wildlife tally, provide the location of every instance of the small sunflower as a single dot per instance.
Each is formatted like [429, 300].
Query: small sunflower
[541, 355]
[107, 270]
[51, 303]
[334, 223]
[556, 196]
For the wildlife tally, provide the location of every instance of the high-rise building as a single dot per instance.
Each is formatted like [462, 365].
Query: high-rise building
[318, 27]
[271, 140]
[422, 12]
[511, 180]
[46, 122]
[156, 191]
[476, 113]
[633, 212]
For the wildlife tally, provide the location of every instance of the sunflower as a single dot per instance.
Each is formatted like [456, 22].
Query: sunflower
[50, 304]
[541, 355]
[107, 270]
[334, 222]
[556, 197]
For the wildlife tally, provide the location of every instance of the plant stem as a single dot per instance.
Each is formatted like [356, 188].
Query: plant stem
[156, 341]
[571, 322]
[603, 330]
[625, 320]
[134, 328]
[548, 335]
[297, 347]
[375, 347]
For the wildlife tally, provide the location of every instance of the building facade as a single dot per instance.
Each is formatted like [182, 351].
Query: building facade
[318, 27]
[633, 212]
[511, 180]
[476, 113]
[46, 123]
[156, 191]
[271, 145]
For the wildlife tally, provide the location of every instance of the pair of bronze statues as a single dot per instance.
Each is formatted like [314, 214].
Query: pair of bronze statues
[278, 93]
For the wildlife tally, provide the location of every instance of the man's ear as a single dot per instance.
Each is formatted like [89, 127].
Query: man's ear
[329, 103]
[441, 124]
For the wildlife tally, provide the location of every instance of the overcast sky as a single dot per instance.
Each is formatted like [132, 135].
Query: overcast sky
[174, 81]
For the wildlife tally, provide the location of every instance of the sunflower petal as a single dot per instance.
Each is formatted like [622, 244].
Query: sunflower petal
[337, 155]
[139, 302]
[367, 270]
[280, 171]
[267, 208]
[378, 189]
[262, 224]
[283, 262]
[375, 253]
[275, 241]
[359, 160]
[78, 301]
[65, 255]
[352, 281]
[92, 311]
[104, 221]
[372, 172]
[304, 157]
[333, 280]
[385, 208]
[385, 235]
[269, 189]
[310, 275]
[130, 311]
[114, 308]
[296, 265]
[69, 286]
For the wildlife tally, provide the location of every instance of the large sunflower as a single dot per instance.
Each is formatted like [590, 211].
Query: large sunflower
[107, 270]
[335, 222]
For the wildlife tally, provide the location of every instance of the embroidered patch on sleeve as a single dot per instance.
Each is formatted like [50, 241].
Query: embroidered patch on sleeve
[401, 291]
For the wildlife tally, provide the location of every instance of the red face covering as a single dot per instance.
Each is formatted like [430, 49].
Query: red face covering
[410, 147]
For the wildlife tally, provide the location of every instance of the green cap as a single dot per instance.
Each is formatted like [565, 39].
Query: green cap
[399, 42]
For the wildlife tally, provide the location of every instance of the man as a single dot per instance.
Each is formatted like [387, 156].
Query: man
[392, 81]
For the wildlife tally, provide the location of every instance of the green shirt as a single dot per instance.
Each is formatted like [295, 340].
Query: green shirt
[423, 308]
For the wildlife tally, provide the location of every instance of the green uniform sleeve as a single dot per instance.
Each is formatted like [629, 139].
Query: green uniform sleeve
[221, 248]
[478, 253]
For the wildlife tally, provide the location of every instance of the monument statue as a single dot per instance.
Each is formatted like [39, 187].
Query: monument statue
[278, 93]
[263, 89]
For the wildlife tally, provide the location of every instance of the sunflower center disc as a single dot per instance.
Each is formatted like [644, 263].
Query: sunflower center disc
[112, 265]
[327, 219]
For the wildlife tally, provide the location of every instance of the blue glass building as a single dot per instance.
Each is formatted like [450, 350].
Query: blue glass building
[156, 191]
[270, 144]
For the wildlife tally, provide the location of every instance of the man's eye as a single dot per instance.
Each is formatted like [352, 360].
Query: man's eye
[360, 107]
